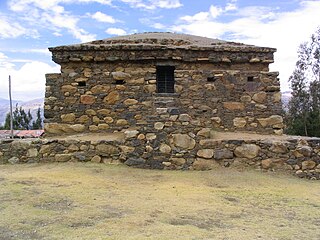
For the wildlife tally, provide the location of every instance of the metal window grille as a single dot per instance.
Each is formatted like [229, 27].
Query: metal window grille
[165, 79]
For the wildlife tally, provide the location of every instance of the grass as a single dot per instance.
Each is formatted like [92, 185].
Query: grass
[95, 201]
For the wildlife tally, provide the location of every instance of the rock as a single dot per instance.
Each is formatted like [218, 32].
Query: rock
[183, 141]
[78, 127]
[266, 163]
[62, 157]
[32, 152]
[103, 126]
[260, 97]
[309, 164]
[205, 153]
[206, 132]
[120, 75]
[98, 89]
[278, 147]
[239, 122]
[73, 148]
[300, 173]
[69, 88]
[91, 112]
[96, 159]
[13, 160]
[95, 120]
[184, 117]
[121, 122]
[104, 112]
[87, 99]
[108, 119]
[93, 128]
[233, 106]
[245, 99]
[70, 117]
[112, 98]
[178, 161]
[305, 151]
[106, 150]
[204, 164]
[216, 120]
[150, 88]
[131, 133]
[277, 97]
[270, 121]
[220, 154]
[151, 136]
[141, 136]
[127, 149]
[159, 125]
[165, 149]
[129, 102]
[249, 151]
[135, 162]
[83, 119]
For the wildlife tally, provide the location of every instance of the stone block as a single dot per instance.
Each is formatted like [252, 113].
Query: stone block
[233, 106]
[249, 151]
[205, 153]
[183, 141]
[112, 98]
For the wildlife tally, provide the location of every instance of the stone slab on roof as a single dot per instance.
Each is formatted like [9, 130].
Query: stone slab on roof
[162, 40]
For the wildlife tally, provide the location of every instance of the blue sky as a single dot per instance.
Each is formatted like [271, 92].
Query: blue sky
[29, 27]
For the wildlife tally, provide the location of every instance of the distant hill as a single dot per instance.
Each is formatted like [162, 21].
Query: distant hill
[33, 105]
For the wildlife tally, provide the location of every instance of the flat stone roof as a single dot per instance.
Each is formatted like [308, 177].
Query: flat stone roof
[161, 40]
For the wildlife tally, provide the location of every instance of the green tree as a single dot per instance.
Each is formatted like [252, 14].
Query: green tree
[304, 107]
[37, 124]
[21, 119]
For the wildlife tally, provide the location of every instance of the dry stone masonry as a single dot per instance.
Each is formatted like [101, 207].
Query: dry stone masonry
[162, 83]
[166, 95]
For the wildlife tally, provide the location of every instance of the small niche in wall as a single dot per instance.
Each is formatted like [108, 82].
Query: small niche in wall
[82, 84]
[250, 79]
[211, 79]
[119, 82]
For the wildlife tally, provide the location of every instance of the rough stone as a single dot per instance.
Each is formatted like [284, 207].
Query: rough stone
[159, 125]
[266, 163]
[87, 99]
[68, 117]
[309, 164]
[278, 147]
[206, 132]
[233, 106]
[204, 164]
[62, 157]
[220, 154]
[135, 161]
[270, 121]
[112, 98]
[183, 141]
[120, 75]
[107, 150]
[165, 149]
[184, 117]
[98, 89]
[239, 122]
[260, 97]
[32, 152]
[13, 160]
[205, 153]
[96, 159]
[121, 122]
[130, 102]
[247, 151]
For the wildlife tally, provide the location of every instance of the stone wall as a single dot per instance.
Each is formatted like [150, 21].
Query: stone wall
[200, 152]
[98, 96]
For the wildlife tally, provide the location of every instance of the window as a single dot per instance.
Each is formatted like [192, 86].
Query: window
[165, 79]
[250, 79]
[82, 84]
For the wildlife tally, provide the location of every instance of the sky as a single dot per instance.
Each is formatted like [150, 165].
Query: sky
[29, 27]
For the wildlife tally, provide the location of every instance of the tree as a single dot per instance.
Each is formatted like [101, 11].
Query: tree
[304, 107]
[37, 124]
[21, 119]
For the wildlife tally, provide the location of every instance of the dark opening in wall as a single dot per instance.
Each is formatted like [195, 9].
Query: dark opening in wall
[211, 79]
[165, 79]
[250, 79]
[119, 82]
[82, 84]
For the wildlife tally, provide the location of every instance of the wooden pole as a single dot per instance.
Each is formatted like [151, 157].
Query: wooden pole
[11, 117]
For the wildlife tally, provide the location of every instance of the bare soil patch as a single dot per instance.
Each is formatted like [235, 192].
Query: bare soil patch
[95, 201]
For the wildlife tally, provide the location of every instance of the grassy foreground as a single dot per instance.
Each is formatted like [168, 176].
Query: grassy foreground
[95, 201]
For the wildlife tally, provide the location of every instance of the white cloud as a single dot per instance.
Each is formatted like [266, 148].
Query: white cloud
[116, 31]
[50, 15]
[28, 82]
[12, 29]
[151, 4]
[101, 17]
[261, 26]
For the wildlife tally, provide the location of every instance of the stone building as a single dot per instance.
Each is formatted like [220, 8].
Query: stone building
[162, 84]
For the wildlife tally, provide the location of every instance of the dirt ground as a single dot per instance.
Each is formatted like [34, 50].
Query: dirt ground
[95, 201]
